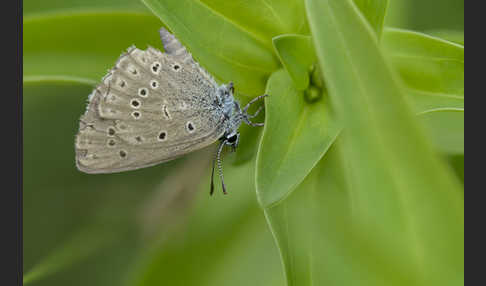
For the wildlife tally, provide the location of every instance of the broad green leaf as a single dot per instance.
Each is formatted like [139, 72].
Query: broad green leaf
[228, 51]
[449, 35]
[266, 18]
[433, 70]
[446, 125]
[315, 204]
[84, 45]
[319, 243]
[402, 41]
[426, 63]
[374, 11]
[296, 54]
[402, 193]
[431, 75]
[424, 101]
[295, 136]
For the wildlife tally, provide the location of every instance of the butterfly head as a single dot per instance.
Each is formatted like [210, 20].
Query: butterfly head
[233, 115]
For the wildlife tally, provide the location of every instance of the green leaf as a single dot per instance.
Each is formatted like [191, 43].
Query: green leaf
[316, 205]
[426, 63]
[296, 135]
[449, 35]
[265, 19]
[433, 70]
[296, 53]
[76, 47]
[424, 101]
[374, 11]
[319, 242]
[228, 51]
[446, 125]
[403, 195]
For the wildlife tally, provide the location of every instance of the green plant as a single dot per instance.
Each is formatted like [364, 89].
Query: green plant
[358, 170]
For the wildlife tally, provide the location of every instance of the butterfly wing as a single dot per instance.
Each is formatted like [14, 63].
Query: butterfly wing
[150, 108]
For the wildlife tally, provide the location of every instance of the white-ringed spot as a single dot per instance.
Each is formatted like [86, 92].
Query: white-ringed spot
[136, 115]
[162, 136]
[154, 84]
[155, 67]
[176, 67]
[190, 127]
[143, 92]
[111, 143]
[111, 131]
[135, 103]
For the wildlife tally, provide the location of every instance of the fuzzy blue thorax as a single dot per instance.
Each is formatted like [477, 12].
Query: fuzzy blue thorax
[231, 109]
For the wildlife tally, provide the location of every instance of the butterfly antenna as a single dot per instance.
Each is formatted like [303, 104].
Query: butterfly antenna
[212, 179]
[220, 168]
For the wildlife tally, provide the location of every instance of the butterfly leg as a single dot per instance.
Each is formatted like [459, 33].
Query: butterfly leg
[255, 124]
[246, 116]
[247, 120]
[256, 113]
[245, 109]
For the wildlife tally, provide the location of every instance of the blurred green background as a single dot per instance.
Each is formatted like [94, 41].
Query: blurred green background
[155, 226]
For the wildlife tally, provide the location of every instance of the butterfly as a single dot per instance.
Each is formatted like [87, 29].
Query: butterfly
[153, 107]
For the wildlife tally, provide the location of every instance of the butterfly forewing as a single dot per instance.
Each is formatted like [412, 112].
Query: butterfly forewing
[150, 108]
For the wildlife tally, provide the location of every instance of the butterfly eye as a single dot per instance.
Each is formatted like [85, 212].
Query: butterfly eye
[232, 139]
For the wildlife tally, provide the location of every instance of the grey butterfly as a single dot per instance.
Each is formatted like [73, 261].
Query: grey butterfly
[153, 107]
